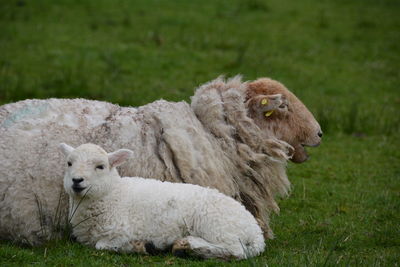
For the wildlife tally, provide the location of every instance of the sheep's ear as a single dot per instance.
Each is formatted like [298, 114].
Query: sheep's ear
[265, 104]
[118, 157]
[66, 149]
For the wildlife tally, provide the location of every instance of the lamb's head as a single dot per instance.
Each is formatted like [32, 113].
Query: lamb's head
[291, 121]
[90, 170]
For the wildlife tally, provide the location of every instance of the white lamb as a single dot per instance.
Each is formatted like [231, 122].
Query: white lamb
[122, 214]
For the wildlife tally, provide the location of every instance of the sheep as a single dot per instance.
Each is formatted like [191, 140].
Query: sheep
[113, 213]
[222, 139]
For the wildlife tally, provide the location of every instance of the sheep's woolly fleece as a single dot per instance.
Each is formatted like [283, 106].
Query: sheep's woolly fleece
[111, 213]
[211, 143]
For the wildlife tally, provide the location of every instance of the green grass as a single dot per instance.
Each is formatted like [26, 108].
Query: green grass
[342, 58]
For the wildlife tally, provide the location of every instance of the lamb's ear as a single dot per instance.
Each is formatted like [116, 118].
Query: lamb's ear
[265, 104]
[118, 157]
[66, 149]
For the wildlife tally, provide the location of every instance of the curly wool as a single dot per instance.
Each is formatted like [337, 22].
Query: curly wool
[114, 213]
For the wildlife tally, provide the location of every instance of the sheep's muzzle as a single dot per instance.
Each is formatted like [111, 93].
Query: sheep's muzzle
[77, 188]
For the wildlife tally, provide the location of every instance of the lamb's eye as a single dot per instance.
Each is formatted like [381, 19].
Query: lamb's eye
[69, 163]
[100, 167]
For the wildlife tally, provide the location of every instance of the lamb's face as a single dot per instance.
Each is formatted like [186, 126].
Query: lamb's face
[291, 122]
[90, 170]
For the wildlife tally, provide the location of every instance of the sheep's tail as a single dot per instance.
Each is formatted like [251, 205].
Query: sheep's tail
[253, 247]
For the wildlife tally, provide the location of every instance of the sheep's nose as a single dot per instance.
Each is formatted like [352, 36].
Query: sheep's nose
[320, 134]
[77, 180]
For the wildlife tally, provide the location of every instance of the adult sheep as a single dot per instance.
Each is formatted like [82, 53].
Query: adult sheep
[222, 140]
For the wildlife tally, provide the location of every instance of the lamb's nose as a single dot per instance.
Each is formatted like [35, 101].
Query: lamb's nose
[320, 134]
[77, 180]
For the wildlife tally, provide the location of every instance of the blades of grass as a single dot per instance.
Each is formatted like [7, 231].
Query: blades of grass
[84, 220]
[337, 242]
[41, 215]
[79, 203]
[57, 217]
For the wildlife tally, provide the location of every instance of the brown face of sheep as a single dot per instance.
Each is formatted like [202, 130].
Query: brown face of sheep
[280, 113]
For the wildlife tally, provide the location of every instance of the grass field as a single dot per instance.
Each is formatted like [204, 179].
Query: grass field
[342, 58]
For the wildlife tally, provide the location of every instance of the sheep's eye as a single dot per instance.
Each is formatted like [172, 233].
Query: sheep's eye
[69, 164]
[100, 167]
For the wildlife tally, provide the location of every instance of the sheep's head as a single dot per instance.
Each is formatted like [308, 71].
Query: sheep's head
[290, 121]
[90, 170]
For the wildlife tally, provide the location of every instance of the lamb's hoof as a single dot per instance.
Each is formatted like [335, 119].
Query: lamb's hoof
[181, 248]
[139, 246]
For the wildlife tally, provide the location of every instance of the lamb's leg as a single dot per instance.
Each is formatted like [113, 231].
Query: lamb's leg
[139, 246]
[205, 249]
[143, 247]
[134, 246]
[104, 244]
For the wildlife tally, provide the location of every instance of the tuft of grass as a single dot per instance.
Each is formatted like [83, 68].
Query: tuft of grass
[350, 125]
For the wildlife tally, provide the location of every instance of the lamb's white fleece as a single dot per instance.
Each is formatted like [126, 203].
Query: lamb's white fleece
[111, 213]
[163, 212]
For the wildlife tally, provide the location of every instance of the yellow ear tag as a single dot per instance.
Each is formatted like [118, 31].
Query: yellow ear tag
[268, 113]
[264, 101]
